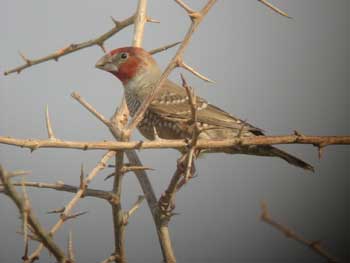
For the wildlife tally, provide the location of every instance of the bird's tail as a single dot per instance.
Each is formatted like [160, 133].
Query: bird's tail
[290, 158]
[268, 150]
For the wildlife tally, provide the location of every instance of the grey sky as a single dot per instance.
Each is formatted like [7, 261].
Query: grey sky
[279, 74]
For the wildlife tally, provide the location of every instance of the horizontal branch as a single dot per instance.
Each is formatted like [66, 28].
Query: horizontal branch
[99, 41]
[59, 186]
[318, 141]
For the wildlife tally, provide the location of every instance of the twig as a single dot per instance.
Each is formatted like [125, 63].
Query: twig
[194, 72]
[79, 194]
[317, 141]
[133, 209]
[60, 186]
[18, 173]
[315, 246]
[163, 48]
[45, 238]
[99, 41]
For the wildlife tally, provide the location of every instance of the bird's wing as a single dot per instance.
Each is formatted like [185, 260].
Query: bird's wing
[172, 103]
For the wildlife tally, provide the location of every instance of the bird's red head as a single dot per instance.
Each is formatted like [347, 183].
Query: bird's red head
[126, 62]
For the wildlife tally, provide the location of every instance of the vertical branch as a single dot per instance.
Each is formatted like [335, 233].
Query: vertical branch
[119, 227]
[139, 23]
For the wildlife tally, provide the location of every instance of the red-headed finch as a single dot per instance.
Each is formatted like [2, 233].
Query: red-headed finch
[170, 111]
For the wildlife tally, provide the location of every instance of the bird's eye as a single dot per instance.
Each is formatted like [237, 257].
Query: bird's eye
[124, 55]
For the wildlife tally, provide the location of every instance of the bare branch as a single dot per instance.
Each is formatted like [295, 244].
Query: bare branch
[313, 245]
[45, 238]
[70, 249]
[133, 209]
[139, 22]
[91, 109]
[100, 166]
[163, 48]
[60, 186]
[194, 72]
[118, 226]
[317, 141]
[99, 41]
[152, 20]
[18, 173]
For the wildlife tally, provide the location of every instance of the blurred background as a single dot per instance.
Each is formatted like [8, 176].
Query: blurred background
[279, 74]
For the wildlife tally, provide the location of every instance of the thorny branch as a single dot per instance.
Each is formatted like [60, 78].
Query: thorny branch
[60, 186]
[317, 141]
[79, 194]
[99, 41]
[315, 246]
[24, 209]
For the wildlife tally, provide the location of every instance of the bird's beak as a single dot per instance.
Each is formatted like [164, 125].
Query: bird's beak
[106, 63]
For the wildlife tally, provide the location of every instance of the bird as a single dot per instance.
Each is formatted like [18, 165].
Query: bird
[169, 114]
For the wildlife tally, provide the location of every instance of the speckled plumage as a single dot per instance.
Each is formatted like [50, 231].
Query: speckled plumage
[170, 111]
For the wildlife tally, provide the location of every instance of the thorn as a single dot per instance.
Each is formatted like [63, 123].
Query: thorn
[109, 176]
[73, 216]
[101, 45]
[184, 6]
[151, 20]
[272, 7]
[155, 134]
[116, 23]
[81, 185]
[130, 168]
[24, 58]
[50, 133]
[160, 49]
[33, 148]
[264, 211]
[56, 211]
[320, 151]
[18, 173]
[194, 72]
[174, 214]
